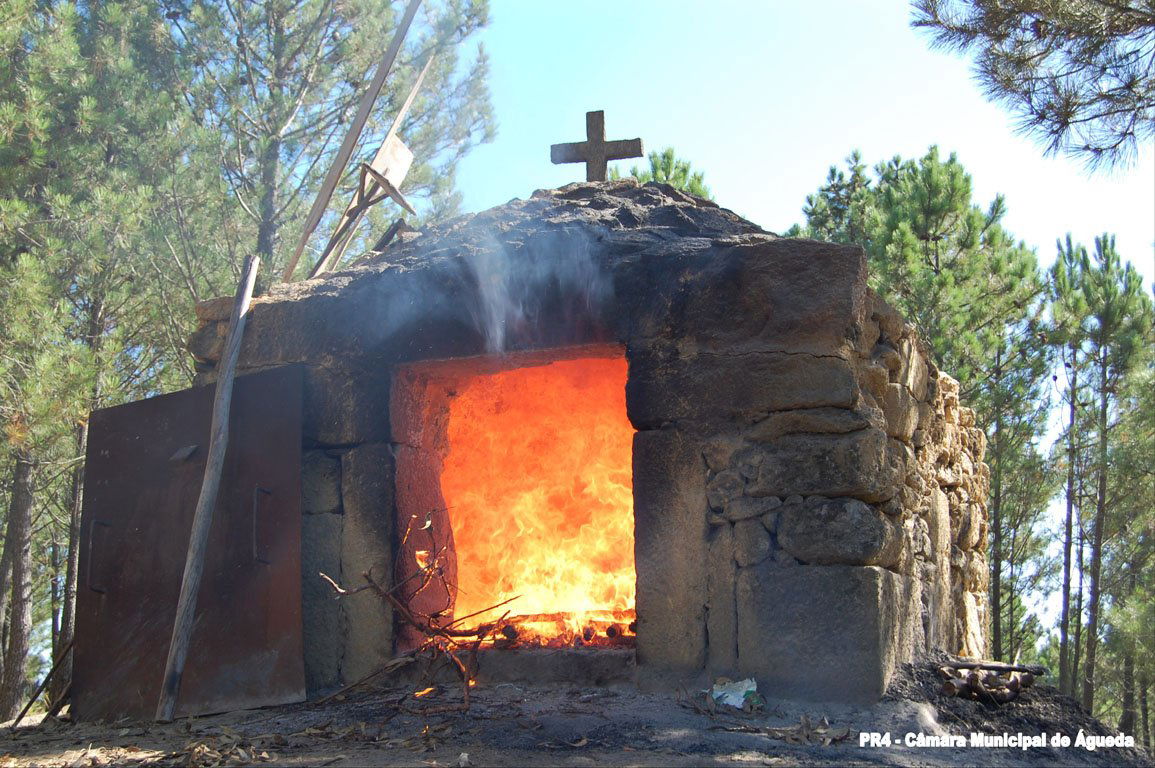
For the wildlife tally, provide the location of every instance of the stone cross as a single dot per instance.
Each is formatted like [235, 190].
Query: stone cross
[595, 151]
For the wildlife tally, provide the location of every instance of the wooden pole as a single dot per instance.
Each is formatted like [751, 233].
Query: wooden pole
[203, 517]
[340, 242]
[346, 150]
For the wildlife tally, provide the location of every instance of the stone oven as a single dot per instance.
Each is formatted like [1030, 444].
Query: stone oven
[612, 397]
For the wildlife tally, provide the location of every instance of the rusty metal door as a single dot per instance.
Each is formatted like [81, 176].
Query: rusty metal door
[143, 475]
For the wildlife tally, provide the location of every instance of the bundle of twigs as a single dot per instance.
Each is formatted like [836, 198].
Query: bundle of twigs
[987, 681]
[444, 642]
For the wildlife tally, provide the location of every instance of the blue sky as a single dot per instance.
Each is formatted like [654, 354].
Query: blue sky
[763, 97]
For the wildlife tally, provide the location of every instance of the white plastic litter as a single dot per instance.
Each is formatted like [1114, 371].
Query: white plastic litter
[735, 693]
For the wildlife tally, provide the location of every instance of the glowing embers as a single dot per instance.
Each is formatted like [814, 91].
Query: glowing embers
[535, 486]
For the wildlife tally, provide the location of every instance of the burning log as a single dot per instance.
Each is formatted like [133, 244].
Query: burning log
[561, 617]
[509, 631]
[613, 631]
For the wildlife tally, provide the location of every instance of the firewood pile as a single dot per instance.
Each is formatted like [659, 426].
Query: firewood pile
[987, 681]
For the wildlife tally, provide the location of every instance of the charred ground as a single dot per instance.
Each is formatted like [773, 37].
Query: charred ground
[520, 724]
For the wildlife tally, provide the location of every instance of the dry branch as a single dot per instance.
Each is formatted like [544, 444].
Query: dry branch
[442, 643]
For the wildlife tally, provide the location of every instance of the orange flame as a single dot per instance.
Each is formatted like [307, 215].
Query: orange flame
[538, 484]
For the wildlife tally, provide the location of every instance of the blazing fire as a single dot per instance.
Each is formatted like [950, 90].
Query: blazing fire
[537, 481]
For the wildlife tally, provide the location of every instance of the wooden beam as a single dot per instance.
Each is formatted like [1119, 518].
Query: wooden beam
[395, 228]
[203, 516]
[388, 167]
[346, 151]
[997, 666]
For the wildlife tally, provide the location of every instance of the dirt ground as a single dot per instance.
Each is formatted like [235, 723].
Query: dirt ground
[558, 725]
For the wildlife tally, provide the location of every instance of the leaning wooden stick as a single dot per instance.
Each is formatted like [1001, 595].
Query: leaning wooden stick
[346, 150]
[57, 705]
[203, 517]
[44, 683]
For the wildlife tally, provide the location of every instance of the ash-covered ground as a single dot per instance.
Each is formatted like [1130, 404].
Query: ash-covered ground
[528, 725]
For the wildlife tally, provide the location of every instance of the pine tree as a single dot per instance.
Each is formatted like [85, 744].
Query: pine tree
[1022, 483]
[1079, 74]
[976, 296]
[37, 370]
[96, 132]
[279, 82]
[118, 211]
[1120, 322]
[1068, 333]
[667, 168]
[1134, 618]
[838, 212]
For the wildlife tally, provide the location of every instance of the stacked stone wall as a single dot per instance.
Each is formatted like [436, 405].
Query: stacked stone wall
[346, 531]
[848, 520]
[944, 490]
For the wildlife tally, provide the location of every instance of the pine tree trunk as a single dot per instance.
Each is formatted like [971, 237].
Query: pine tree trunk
[270, 160]
[68, 609]
[1130, 717]
[1097, 544]
[1065, 680]
[1077, 649]
[4, 635]
[18, 540]
[997, 529]
[1145, 737]
[1011, 643]
[267, 226]
[94, 340]
[54, 595]
[5, 598]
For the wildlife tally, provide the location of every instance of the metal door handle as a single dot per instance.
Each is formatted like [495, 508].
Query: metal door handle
[258, 491]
